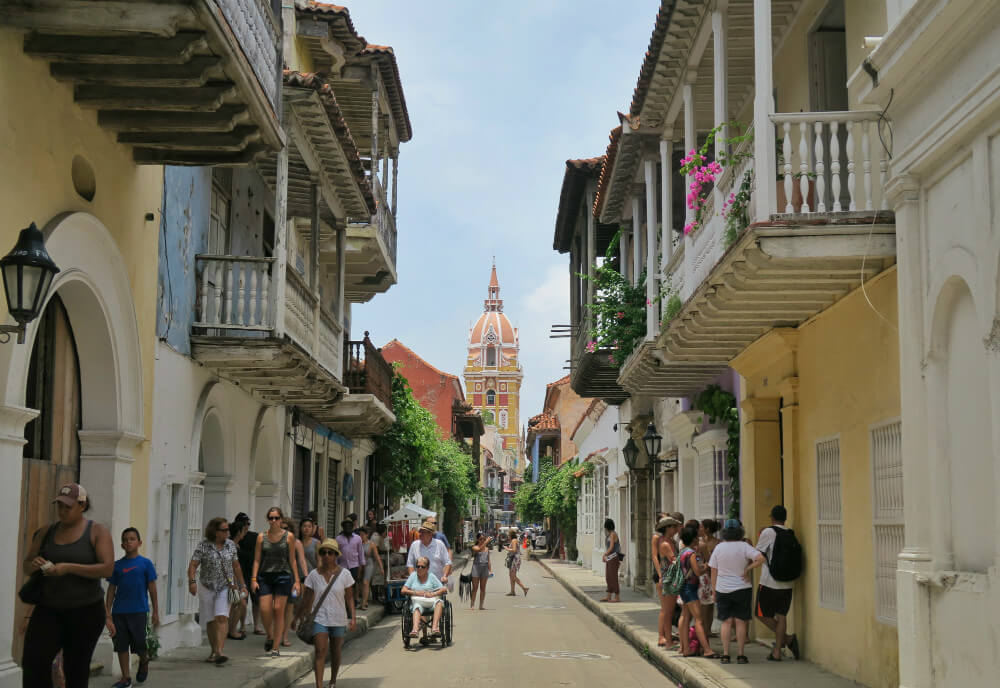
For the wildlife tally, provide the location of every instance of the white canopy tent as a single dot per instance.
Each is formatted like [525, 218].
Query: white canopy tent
[409, 512]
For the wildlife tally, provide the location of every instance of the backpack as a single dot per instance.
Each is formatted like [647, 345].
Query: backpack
[785, 563]
[673, 578]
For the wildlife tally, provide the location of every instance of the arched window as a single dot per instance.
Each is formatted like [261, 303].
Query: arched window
[491, 356]
[491, 397]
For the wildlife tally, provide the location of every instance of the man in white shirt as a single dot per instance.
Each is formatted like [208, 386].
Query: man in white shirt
[774, 597]
[433, 549]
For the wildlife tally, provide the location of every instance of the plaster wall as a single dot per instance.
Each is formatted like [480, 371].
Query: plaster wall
[836, 375]
[601, 436]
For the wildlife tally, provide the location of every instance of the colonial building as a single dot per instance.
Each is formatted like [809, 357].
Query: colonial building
[493, 377]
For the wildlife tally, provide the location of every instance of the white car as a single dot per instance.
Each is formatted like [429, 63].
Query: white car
[540, 541]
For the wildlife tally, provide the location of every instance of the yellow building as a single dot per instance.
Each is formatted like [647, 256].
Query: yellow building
[493, 376]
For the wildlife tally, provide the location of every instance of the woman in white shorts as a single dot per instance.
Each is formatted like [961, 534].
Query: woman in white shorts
[426, 593]
[217, 557]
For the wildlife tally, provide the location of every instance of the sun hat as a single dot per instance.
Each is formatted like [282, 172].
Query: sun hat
[666, 522]
[70, 494]
[428, 527]
[329, 543]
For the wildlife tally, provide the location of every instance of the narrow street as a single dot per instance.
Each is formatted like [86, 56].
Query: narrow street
[492, 647]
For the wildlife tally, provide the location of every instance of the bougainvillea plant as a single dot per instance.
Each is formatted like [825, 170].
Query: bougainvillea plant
[703, 171]
[735, 209]
[618, 313]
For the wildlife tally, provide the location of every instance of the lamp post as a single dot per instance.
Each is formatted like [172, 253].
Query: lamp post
[27, 273]
[631, 452]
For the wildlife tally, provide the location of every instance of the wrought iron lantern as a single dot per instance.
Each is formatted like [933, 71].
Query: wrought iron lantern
[631, 452]
[27, 275]
[652, 441]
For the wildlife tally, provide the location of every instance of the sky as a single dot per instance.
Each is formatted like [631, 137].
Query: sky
[500, 95]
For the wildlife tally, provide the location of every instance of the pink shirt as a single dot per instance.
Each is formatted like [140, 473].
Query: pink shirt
[352, 551]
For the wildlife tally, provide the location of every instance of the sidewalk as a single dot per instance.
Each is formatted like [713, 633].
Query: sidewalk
[635, 619]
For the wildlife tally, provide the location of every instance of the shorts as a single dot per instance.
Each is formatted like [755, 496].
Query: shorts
[425, 603]
[705, 590]
[734, 604]
[277, 584]
[480, 571]
[332, 631]
[689, 592]
[773, 602]
[130, 632]
[369, 572]
[212, 603]
[354, 572]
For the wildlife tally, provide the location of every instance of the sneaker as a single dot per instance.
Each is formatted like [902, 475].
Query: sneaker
[142, 673]
[275, 653]
[123, 683]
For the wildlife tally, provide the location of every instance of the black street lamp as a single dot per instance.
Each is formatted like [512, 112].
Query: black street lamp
[631, 452]
[27, 275]
[651, 440]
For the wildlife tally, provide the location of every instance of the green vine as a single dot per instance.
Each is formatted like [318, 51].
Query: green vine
[735, 209]
[720, 405]
[672, 308]
[618, 312]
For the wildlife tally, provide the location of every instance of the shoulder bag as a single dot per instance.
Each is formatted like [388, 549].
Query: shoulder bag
[232, 594]
[31, 590]
[305, 630]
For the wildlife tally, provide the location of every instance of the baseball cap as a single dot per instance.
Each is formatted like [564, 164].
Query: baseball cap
[732, 523]
[70, 494]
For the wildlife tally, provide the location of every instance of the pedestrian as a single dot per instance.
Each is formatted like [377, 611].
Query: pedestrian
[320, 533]
[679, 517]
[612, 559]
[373, 562]
[482, 569]
[666, 527]
[706, 596]
[731, 564]
[275, 577]
[654, 547]
[513, 563]
[131, 588]
[774, 597]
[427, 546]
[370, 523]
[73, 555]
[692, 567]
[238, 528]
[439, 535]
[304, 568]
[426, 593]
[335, 616]
[352, 550]
[220, 573]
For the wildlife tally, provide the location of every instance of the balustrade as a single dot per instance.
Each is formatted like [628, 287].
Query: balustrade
[366, 371]
[235, 293]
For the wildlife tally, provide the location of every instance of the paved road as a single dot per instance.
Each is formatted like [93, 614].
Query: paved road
[490, 646]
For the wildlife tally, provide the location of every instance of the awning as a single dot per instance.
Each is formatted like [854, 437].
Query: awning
[409, 512]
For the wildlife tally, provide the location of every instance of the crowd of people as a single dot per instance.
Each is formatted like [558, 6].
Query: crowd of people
[701, 577]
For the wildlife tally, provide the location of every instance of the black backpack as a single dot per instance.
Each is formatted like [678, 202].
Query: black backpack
[785, 563]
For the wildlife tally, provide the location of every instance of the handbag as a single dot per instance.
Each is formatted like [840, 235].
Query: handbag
[305, 630]
[465, 581]
[673, 578]
[233, 595]
[31, 590]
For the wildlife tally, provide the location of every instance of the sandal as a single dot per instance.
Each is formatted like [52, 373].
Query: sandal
[268, 644]
[241, 636]
[725, 659]
[211, 658]
[711, 656]
[285, 643]
[742, 659]
[221, 659]
[772, 658]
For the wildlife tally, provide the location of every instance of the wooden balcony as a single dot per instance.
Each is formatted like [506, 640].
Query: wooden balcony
[826, 232]
[592, 374]
[371, 250]
[298, 363]
[367, 409]
[186, 82]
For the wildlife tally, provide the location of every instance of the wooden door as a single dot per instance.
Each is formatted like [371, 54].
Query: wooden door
[52, 449]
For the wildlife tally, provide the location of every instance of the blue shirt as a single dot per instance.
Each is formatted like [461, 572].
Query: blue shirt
[430, 585]
[443, 538]
[131, 579]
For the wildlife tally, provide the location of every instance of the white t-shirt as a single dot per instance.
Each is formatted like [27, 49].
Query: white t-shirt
[764, 545]
[435, 552]
[731, 558]
[334, 611]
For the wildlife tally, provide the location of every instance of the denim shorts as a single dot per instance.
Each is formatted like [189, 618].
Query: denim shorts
[332, 631]
[689, 592]
[278, 584]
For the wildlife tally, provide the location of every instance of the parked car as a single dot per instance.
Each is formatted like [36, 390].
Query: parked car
[540, 541]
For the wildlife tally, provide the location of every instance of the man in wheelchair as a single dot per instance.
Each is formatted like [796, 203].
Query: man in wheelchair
[426, 596]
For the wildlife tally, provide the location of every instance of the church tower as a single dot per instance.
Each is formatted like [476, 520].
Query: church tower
[493, 378]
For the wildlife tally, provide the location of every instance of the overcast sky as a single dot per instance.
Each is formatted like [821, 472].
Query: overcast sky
[499, 95]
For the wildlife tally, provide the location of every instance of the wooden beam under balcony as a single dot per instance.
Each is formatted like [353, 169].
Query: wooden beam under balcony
[195, 72]
[116, 49]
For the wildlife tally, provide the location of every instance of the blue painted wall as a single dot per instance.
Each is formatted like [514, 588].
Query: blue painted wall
[184, 220]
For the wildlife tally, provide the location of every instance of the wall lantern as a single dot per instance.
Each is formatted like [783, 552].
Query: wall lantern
[631, 452]
[652, 441]
[27, 275]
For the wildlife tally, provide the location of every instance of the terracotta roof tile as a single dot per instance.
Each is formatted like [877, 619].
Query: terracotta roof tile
[582, 470]
[561, 381]
[614, 138]
[594, 405]
[343, 132]
[543, 421]
[660, 26]
[386, 59]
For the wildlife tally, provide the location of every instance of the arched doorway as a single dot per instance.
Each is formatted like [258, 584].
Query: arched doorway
[212, 462]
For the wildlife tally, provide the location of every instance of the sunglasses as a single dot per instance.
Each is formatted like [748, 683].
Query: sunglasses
[327, 552]
[274, 518]
[421, 566]
[224, 530]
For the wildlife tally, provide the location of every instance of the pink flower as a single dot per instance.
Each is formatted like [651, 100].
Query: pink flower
[619, 315]
[611, 359]
[648, 302]
[591, 347]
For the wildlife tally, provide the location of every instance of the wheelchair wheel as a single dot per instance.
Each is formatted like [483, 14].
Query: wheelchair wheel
[447, 622]
[407, 623]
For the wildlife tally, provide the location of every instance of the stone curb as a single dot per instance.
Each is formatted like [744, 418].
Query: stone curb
[678, 669]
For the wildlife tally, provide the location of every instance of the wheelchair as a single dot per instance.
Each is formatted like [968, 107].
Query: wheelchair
[426, 617]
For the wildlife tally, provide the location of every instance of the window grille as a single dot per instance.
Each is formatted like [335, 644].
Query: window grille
[588, 504]
[829, 518]
[887, 511]
[713, 486]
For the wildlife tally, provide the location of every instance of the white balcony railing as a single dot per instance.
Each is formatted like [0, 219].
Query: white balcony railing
[385, 223]
[237, 293]
[830, 162]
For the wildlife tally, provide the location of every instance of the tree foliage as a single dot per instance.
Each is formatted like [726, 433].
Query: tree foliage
[554, 495]
[415, 458]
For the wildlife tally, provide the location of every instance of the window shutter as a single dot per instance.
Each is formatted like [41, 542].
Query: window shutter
[195, 531]
[887, 503]
[830, 521]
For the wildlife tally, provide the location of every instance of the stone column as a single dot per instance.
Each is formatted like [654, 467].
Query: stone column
[760, 462]
[766, 199]
[12, 422]
[913, 599]
[666, 200]
[792, 471]
[652, 283]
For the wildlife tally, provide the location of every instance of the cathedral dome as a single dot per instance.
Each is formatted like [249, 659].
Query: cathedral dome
[493, 330]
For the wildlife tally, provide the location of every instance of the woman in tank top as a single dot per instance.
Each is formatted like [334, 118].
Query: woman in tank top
[481, 570]
[73, 555]
[275, 576]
